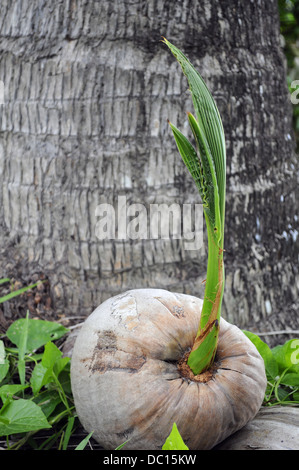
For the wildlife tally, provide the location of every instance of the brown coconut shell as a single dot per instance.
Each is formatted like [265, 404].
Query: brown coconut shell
[129, 381]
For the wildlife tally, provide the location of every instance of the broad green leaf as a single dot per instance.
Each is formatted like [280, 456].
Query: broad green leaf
[271, 365]
[4, 362]
[281, 394]
[290, 379]
[51, 361]
[174, 440]
[21, 416]
[43, 370]
[37, 377]
[51, 355]
[48, 401]
[60, 365]
[8, 390]
[39, 332]
[4, 368]
[64, 379]
[4, 280]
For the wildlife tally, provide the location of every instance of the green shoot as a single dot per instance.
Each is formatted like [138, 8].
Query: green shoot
[18, 292]
[84, 442]
[207, 166]
[174, 441]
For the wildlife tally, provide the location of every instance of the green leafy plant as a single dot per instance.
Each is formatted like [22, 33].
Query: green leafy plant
[207, 166]
[282, 370]
[35, 389]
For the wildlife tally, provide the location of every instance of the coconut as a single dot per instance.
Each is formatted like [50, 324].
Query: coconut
[131, 382]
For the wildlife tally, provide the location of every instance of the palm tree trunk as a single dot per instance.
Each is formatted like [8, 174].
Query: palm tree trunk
[88, 91]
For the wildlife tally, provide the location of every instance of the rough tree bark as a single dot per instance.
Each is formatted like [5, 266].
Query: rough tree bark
[88, 91]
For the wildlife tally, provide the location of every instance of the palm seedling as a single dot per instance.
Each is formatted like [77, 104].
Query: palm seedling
[207, 166]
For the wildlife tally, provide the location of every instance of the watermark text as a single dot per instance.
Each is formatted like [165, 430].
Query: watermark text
[157, 221]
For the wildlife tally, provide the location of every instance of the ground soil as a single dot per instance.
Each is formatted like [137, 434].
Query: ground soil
[37, 301]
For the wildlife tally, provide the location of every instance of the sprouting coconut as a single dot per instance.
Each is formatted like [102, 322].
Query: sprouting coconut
[147, 358]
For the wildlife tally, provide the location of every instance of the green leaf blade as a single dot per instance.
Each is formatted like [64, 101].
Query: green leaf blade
[21, 416]
[209, 119]
[191, 160]
[84, 442]
[22, 349]
[174, 441]
[48, 401]
[4, 362]
[38, 334]
[51, 355]
[271, 365]
[18, 292]
[68, 432]
[209, 176]
[8, 390]
[38, 378]
[290, 379]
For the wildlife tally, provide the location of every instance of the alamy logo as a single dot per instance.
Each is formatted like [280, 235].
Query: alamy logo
[295, 354]
[295, 93]
[158, 221]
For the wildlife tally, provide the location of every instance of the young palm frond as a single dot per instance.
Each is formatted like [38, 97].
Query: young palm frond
[207, 166]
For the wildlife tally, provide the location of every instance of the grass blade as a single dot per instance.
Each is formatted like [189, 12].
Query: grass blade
[84, 442]
[15, 293]
[68, 432]
[122, 445]
[22, 350]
